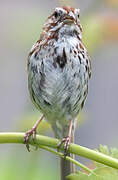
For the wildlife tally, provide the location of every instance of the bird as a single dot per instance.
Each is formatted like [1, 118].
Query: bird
[59, 70]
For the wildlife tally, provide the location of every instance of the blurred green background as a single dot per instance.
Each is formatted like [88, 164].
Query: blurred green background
[20, 26]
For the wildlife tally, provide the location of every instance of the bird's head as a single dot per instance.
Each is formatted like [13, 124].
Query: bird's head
[64, 20]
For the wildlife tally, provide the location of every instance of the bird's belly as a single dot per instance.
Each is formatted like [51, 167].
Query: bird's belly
[60, 92]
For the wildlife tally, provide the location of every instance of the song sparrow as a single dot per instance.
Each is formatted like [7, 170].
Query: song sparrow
[58, 73]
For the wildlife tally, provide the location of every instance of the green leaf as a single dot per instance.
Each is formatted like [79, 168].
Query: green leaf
[101, 172]
[114, 152]
[103, 149]
[104, 173]
[77, 176]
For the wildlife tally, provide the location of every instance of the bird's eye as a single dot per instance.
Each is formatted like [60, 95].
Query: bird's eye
[78, 15]
[56, 14]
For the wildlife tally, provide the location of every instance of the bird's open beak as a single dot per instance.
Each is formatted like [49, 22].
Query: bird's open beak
[68, 20]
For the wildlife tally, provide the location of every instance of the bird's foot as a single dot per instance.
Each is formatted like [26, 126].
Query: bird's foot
[28, 134]
[66, 142]
[32, 133]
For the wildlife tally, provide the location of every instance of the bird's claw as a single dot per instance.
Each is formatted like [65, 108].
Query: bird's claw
[27, 136]
[66, 142]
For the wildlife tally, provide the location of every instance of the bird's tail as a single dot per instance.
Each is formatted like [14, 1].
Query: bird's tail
[65, 166]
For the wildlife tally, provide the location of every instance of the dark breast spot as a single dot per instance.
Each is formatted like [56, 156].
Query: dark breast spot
[80, 59]
[61, 60]
[83, 55]
[77, 47]
[86, 61]
[86, 68]
[75, 52]
[36, 56]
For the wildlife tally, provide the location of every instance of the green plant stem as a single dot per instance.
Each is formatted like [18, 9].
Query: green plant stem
[67, 158]
[51, 142]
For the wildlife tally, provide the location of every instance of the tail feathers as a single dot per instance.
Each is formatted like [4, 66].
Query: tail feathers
[65, 167]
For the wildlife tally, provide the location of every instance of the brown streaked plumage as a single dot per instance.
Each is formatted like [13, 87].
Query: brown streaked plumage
[58, 74]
